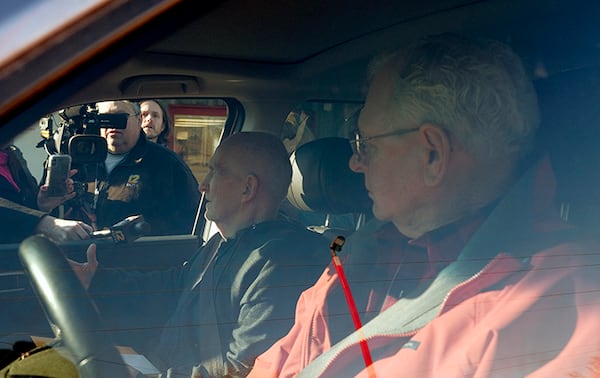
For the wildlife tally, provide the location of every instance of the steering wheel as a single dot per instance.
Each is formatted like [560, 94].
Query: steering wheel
[69, 307]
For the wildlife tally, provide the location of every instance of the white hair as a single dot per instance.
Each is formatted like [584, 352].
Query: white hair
[477, 90]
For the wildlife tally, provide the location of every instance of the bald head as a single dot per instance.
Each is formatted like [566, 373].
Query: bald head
[263, 155]
[248, 177]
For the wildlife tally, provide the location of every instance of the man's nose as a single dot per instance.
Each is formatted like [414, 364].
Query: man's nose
[355, 164]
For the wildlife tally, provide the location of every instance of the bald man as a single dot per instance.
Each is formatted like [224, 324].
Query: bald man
[237, 294]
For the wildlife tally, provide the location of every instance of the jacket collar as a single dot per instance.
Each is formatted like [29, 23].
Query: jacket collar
[258, 229]
[136, 154]
[505, 231]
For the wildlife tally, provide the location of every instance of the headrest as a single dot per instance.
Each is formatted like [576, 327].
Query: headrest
[322, 181]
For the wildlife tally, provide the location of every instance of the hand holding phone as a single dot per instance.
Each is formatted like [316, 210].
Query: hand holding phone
[57, 174]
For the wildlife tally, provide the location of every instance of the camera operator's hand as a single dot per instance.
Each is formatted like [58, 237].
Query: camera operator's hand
[47, 203]
[85, 271]
[61, 230]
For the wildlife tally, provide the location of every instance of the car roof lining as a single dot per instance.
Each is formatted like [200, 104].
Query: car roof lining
[321, 71]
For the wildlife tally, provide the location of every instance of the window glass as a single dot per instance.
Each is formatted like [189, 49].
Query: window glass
[310, 122]
[334, 119]
[197, 130]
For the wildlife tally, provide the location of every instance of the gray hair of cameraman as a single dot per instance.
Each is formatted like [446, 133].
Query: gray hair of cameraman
[133, 108]
[475, 89]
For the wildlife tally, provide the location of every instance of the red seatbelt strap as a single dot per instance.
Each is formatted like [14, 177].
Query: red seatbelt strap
[336, 246]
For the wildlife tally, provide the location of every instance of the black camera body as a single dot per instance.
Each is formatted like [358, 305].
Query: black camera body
[76, 131]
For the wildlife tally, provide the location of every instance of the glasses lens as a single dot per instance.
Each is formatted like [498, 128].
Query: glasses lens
[358, 147]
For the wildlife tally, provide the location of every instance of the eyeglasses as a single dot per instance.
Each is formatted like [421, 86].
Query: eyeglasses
[359, 144]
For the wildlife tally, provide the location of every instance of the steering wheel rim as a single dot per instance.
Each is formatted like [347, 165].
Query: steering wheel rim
[70, 308]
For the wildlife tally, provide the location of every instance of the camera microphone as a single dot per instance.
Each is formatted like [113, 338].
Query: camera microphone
[127, 230]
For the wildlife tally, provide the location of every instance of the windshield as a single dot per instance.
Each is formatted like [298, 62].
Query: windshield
[25, 23]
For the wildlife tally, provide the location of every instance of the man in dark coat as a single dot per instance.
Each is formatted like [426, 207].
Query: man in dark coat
[237, 293]
[137, 177]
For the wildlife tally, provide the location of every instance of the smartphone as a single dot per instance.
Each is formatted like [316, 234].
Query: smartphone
[57, 173]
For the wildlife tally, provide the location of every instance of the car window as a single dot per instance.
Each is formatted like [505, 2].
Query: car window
[197, 131]
[316, 119]
[462, 246]
[196, 127]
[318, 123]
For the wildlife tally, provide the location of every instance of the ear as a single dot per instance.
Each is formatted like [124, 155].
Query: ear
[250, 188]
[437, 146]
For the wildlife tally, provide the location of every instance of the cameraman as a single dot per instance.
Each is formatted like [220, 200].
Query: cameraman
[137, 177]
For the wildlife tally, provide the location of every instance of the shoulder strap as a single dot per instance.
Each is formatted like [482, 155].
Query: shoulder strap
[411, 314]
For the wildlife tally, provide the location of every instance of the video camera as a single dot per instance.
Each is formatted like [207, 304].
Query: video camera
[76, 131]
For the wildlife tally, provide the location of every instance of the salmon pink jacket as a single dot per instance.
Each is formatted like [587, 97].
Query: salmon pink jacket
[522, 299]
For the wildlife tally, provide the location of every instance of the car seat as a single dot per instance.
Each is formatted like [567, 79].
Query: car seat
[570, 132]
[326, 195]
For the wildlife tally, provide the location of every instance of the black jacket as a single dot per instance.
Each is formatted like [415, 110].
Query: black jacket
[226, 309]
[18, 214]
[152, 180]
[27, 196]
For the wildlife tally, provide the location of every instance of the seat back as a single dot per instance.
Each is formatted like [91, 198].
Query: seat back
[570, 131]
[329, 197]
